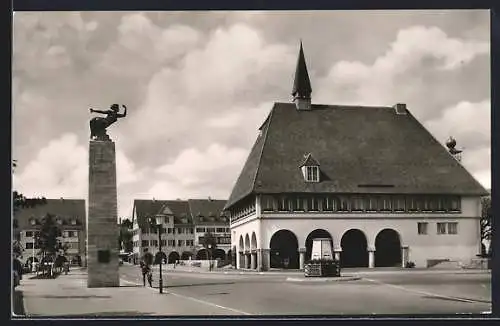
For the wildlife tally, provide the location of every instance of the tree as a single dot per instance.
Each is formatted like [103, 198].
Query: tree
[48, 241]
[125, 236]
[17, 248]
[486, 217]
[19, 202]
[209, 243]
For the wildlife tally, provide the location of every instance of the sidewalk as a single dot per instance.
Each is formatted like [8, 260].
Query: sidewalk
[68, 295]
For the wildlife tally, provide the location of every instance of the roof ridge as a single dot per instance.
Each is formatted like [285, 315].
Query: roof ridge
[262, 150]
[344, 105]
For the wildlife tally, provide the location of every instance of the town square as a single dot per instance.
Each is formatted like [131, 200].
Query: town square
[251, 164]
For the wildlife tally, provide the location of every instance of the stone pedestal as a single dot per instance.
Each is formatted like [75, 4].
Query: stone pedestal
[102, 227]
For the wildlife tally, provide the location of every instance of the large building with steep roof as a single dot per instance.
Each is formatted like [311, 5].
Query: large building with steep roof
[185, 223]
[70, 216]
[372, 179]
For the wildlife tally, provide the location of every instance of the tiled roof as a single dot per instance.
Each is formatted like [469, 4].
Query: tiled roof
[178, 208]
[197, 211]
[356, 146]
[66, 209]
[208, 211]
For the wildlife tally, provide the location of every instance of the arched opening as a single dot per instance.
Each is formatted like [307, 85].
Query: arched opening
[202, 254]
[318, 233]
[253, 242]
[242, 246]
[186, 255]
[354, 249]
[219, 253]
[173, 257]
[160, 255]
[247, 242]
[387, 249]
[284, 250]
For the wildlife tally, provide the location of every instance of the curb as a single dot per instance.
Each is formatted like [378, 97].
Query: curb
[323, 279]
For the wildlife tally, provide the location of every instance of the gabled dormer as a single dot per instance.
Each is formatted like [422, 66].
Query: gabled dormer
[310, 169]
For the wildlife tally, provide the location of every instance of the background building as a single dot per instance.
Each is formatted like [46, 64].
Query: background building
[69, 215]
[185, 223]
[372, 179]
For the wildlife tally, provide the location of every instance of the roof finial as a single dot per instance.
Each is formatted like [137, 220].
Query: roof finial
[302, 85]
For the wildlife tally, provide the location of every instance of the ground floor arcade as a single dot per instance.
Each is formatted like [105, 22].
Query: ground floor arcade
[286, 243]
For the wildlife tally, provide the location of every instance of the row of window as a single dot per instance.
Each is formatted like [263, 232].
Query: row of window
[382, 203]
[179, 243]
[70, 245]
[441, 228]
[219, 240]
[65, 234]
[243, 210]
[213, 230]
[167, 230]
[34, 221]
[169, 243]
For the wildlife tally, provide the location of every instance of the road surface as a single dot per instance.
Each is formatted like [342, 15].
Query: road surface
[397, 292]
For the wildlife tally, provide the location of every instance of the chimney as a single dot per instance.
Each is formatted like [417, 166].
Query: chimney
[400, 108]
[209, 198]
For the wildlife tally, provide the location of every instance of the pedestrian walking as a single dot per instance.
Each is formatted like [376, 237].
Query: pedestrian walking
[147, 273]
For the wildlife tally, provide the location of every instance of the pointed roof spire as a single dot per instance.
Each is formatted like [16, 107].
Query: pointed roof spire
[302, 84]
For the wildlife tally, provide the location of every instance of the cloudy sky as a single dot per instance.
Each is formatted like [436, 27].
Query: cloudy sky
[199, 84]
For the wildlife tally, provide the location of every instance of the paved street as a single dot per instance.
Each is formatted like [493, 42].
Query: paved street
[408, 292]
[249, 293]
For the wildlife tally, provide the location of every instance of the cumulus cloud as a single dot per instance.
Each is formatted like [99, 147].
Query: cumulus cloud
[470, 124]
[198, 85]
[196, 173]
[417, 47]
[61, 170]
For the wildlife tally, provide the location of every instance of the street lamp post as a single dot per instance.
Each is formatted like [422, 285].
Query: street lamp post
[158, 223]
[33, 255]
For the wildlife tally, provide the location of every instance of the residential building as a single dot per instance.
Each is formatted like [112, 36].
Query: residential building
[208, 217]
[70, 216]
[183, 221]
[371, 179]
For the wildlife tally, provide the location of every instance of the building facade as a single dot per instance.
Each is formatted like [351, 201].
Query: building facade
[70, 216]
[185, 223]
[372, 179]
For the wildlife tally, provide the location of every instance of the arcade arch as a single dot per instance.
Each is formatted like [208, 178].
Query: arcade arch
[284, 250]
[354, 249]
[387, 248]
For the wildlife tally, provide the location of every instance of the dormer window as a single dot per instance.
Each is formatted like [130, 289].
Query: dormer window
[32, 221]
[59, 221]
[310, 168]
[73, 221]
[312, 173]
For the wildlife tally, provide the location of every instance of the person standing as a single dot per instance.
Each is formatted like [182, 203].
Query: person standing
[147, 273]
